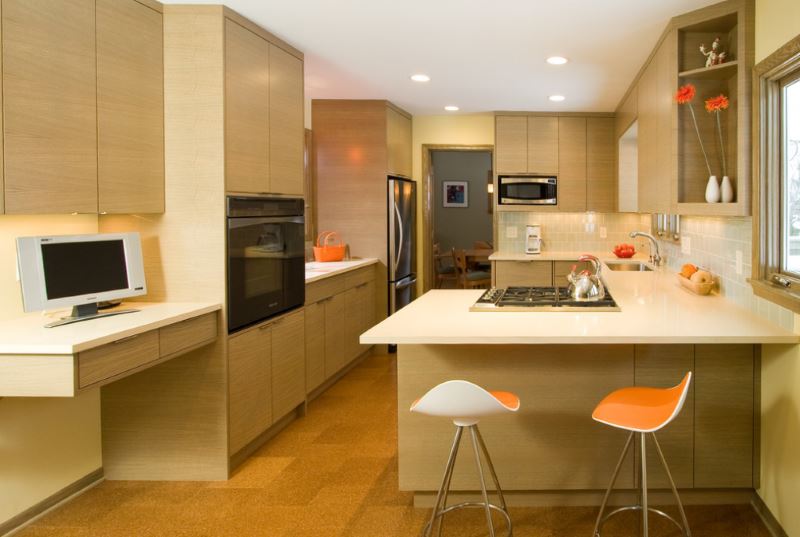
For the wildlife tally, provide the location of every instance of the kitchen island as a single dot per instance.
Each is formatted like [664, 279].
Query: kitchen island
[562, 364]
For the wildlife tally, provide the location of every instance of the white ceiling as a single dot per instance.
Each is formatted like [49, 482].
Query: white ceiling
[481, 55]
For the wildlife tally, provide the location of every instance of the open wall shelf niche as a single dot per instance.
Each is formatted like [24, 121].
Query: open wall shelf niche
[732, 22]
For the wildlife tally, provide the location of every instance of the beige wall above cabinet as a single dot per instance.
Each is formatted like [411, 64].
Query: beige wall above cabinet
[264, 126]
[83, 107]
[130, 108]
[49, 106]
[579, 149]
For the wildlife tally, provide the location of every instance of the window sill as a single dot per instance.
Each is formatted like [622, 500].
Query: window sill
[778, 295]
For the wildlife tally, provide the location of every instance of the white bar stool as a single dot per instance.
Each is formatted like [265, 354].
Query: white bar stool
[465, 403]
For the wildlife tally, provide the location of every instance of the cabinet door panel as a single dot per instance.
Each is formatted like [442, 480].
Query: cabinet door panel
[398, 143]
[663, 366]
[724, 391]
[601, 184]
[249, 385]
[247, 134]
[523, 273]
[572, 164]
[315, 345]
[511, 144]
[50, 106]
[334, 335]
[543, 145]
[287, 130]
[352, 323]
[288, 364]
[130, 108]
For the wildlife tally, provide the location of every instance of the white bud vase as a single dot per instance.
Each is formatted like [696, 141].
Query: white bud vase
[727, 190]
[712, 190]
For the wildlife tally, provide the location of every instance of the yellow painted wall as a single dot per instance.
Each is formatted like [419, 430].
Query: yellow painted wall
[471, 129]
[46, 444]
[777, 22]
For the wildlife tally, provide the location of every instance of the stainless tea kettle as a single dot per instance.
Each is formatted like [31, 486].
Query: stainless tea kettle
[585, 286]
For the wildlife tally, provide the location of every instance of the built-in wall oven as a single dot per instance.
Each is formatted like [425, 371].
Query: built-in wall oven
[266, 258]
[527, 190]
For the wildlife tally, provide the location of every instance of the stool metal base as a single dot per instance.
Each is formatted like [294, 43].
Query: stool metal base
[440, 507]
[642, 507]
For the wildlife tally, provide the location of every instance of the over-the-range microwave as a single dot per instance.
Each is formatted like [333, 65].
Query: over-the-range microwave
[527, 190]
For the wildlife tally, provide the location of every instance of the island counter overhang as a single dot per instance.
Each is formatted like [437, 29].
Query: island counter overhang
[561, 365]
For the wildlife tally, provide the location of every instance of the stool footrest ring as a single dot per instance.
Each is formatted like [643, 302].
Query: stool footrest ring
[639, 508]
[470, 505]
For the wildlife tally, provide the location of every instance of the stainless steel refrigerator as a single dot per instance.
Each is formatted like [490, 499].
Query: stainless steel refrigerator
[402, 255]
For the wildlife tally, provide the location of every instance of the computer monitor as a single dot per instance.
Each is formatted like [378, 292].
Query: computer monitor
[80, 271]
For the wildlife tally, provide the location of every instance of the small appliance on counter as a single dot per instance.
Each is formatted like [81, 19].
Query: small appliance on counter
[533, 239]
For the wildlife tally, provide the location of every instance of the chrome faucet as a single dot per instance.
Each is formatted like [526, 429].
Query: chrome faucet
[655, 256]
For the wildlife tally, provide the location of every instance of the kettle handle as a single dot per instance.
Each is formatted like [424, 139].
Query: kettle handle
[594, 261]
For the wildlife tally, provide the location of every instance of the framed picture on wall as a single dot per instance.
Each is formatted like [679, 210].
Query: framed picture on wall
[455, 194]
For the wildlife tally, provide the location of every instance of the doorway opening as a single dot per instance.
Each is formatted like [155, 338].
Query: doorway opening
[458, 204]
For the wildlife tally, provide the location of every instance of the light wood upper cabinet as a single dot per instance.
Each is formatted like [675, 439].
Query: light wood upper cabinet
[130, 107]
[249, 385]
[49, 106]
[288, 364]
[247, 94]
[511, 144]
[601, 183]
[543, 145]
[398, 143]
[572, 164]
[286, 127]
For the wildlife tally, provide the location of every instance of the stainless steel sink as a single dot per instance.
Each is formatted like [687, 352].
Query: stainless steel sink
[628, 266]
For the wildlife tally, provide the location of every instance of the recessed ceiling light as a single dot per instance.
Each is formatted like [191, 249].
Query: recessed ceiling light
[419, 77]
[557, 60]
[556, 98]
[451, 108]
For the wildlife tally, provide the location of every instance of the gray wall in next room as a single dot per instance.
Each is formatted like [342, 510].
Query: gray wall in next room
[456, 227]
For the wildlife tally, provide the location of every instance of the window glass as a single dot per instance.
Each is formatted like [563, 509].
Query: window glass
[790, 195]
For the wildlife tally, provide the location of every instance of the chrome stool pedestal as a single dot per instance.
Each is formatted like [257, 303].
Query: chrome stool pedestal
[642, 506]
[440, 508]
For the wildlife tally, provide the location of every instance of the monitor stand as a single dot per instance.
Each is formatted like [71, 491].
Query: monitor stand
[86, 312]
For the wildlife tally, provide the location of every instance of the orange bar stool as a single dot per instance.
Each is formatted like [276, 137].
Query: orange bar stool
[643, 411]
[465, 403]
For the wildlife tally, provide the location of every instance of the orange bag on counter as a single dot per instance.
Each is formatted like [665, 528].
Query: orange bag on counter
[329, 247]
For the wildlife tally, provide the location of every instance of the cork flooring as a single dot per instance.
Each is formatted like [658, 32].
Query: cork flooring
[331, 474]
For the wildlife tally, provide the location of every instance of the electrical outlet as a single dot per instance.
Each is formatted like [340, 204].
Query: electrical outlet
[739, 262]
[686, 245]
[511, 232]
[603, 232]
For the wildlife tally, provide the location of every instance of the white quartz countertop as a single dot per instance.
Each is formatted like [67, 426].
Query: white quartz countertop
[27, 334]
[317, 271]
[654, 309]
[557, 256]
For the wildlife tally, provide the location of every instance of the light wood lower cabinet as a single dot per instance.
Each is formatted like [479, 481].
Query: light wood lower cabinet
[523, 273]
[249, 385]
[288, 363]
[266, 376]
[343, 308]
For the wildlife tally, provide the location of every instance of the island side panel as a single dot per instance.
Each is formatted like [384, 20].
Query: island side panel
[550, 444]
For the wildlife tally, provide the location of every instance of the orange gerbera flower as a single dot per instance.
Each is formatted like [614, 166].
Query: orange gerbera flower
[685, 94]
[717, 104]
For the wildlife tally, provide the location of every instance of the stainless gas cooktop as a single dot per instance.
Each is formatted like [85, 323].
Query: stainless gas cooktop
[539, 299]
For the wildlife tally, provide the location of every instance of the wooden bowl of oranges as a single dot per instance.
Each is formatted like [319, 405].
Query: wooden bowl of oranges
[695, 279]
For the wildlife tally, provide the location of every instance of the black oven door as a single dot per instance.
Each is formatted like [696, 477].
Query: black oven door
[266, 268]
[527, 191]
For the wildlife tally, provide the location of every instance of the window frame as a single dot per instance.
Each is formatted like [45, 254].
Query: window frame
[768, 279]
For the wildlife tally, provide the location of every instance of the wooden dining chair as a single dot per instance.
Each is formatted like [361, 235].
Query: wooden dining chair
[444, 273]
[482, 245]
[469, 279]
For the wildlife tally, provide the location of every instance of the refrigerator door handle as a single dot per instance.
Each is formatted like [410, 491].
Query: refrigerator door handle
[409, 283]
[400, 242]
